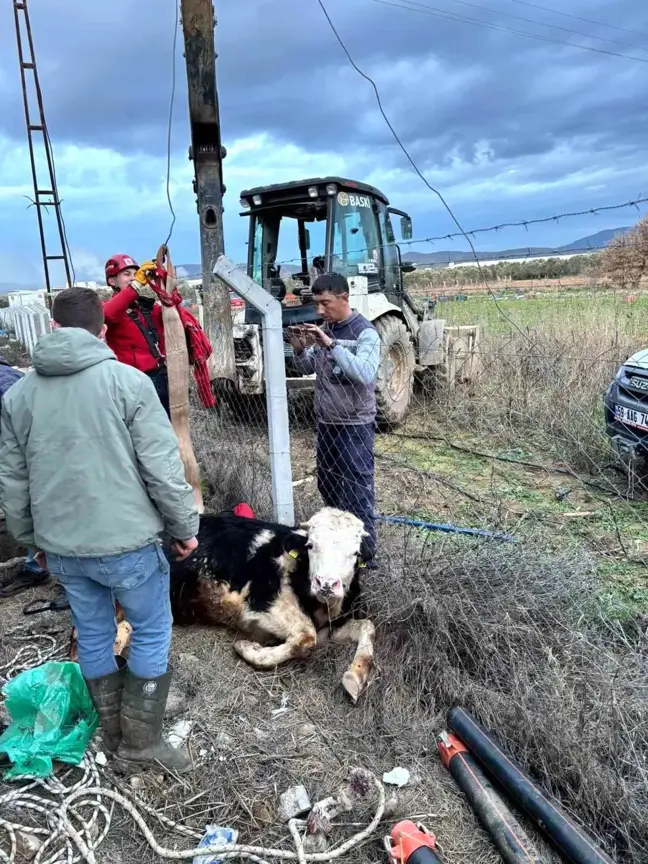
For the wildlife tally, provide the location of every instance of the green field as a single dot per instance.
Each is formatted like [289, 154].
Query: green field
[546, 363]
[609, 314]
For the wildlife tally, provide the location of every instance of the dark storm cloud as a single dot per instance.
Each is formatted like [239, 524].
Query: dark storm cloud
[448, 86]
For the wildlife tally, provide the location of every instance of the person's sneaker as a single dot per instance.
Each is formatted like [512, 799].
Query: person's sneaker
[25, 580]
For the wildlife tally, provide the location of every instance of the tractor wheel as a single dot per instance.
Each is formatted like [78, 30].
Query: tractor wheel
[396, 372]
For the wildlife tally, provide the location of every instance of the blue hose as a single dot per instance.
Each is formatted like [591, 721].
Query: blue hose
[447, 529]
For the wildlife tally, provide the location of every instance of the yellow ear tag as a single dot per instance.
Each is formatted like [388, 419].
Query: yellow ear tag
[294, 553]
[362, 564]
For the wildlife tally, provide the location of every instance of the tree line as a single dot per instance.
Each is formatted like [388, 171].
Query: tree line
[508, 271]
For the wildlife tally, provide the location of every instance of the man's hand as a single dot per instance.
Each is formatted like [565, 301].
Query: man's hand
[318, 336]
[296, 338]
[184, 548]
[141, 275]
[39, 558]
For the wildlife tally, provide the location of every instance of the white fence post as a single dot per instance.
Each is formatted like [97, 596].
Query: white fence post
[29, 321]
[275, 383]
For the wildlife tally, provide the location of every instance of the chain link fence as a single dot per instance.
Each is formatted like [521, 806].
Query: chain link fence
[512, 542]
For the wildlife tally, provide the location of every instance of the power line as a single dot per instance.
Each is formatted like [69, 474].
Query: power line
[547, 24]
[170, 122]
[482, 275]
[393, 131]
[451, 16]
[580, 18]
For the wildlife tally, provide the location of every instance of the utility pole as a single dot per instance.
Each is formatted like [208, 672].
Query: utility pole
[44, 196]
[207, 153]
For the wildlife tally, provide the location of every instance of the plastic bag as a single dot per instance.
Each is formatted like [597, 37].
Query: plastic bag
[214, 836]
[52, 718]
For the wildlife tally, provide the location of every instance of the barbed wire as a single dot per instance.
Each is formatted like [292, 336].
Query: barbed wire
[525, 223]
[501, 226]
[462, 232]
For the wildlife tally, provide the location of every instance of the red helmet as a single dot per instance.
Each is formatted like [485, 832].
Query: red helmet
[117, 263]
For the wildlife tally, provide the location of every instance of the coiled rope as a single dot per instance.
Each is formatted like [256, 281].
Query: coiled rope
[78, 814]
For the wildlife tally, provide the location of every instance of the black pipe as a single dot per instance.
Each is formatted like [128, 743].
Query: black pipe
[572, 840]
[507, 834]
[424, 855]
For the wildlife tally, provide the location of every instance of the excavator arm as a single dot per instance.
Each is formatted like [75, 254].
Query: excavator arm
[207, 153]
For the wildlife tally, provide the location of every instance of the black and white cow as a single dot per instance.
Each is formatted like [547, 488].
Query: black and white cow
[288, 589]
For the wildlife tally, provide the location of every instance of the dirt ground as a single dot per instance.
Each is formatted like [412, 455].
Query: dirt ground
[512, 632]
[256, 735]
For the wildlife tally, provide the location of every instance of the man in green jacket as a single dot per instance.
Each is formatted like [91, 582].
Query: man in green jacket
[90, 473]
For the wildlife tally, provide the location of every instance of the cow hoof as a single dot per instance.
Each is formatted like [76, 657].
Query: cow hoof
[352, 686]
[249, 651]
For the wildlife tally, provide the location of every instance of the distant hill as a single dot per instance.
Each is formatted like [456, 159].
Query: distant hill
[601, 238]
[592, 241]
[188, 271]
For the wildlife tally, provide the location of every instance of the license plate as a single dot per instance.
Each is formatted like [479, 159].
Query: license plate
[631, 417]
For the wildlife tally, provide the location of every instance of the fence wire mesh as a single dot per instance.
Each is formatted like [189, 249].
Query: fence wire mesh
[545, 639]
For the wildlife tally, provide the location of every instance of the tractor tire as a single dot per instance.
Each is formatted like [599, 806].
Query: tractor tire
[396, 372]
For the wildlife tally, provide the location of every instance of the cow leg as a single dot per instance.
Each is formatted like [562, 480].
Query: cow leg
[298, 646]
[362, 632]
[284, 621]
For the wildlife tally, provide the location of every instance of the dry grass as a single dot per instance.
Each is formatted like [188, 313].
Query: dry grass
[510, 634]
[546, 365]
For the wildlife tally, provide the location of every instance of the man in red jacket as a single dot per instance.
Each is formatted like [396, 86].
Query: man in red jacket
[135, 328]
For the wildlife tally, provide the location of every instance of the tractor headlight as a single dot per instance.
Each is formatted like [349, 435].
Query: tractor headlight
[312, 192]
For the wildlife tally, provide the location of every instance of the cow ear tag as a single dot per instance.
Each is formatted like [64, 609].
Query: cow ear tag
[294, 553]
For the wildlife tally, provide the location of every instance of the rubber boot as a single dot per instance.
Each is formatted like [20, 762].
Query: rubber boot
[106, 694]
[142, 714]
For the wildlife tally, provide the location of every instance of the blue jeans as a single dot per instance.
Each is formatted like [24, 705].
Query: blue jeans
[30, 563]
[139, 580]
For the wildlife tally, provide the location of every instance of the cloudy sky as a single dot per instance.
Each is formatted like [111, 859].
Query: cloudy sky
[506, 126]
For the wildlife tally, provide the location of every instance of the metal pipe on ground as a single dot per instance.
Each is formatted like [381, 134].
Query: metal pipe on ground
[550, 817]
[507, 834]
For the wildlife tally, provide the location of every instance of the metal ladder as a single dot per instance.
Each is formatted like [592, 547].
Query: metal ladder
[44, 196]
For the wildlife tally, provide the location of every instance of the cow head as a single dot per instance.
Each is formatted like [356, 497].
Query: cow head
[334, 543]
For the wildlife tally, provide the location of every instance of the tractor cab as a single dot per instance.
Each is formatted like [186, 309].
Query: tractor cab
[322, 225]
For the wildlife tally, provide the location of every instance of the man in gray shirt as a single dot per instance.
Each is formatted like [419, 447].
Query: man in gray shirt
[345, 355]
